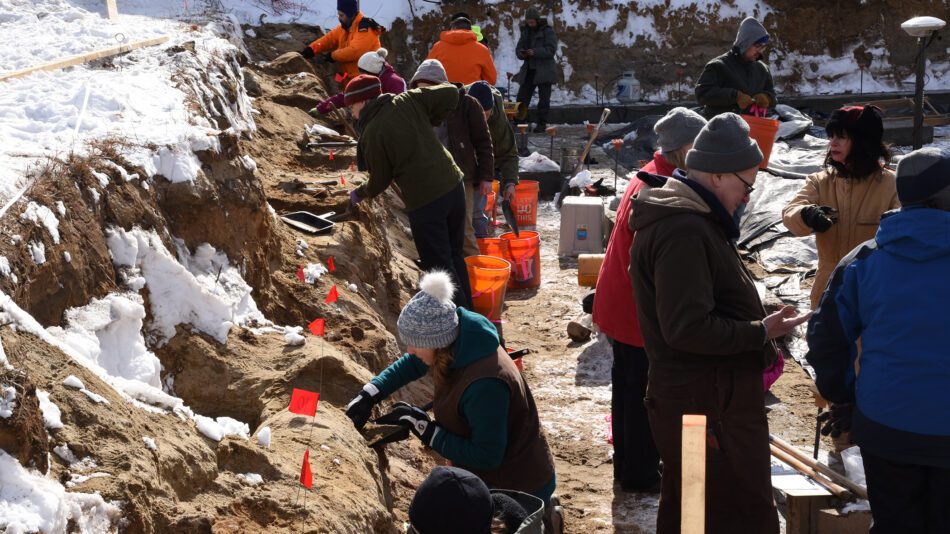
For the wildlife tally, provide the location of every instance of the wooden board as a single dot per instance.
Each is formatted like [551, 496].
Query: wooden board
[111, 10]
[803, 511]
[693, 509]
[84, 58]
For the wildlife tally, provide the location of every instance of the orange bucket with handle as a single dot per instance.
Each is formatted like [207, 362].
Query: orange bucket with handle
[488, 277]
[524, 253]
[493, 246]
[763, 131]
[525, 203]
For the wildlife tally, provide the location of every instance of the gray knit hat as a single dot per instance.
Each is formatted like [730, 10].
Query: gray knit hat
[922, 174]
[724, 145]
[430, 70]
[678, 128]
[750, 32]
[429, 320]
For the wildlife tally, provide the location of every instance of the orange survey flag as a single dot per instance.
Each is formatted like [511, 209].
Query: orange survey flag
[306, 476]
[333, 296]
[317, 327]
[304, 402]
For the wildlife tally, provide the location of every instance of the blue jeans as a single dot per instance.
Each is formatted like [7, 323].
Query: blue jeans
[480, 219]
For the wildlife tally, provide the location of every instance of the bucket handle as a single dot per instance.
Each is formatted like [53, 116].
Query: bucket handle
[757, 111]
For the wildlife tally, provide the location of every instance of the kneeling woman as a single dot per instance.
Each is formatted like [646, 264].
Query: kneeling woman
[485, 418]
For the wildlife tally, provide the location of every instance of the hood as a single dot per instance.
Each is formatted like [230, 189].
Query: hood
[918, 234]
[458, 37]
[477, 338]
[387, 71]
[656, 203]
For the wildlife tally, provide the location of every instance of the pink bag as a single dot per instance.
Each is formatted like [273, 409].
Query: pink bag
[770, 375]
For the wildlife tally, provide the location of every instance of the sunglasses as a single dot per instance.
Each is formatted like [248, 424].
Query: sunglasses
[748, 187]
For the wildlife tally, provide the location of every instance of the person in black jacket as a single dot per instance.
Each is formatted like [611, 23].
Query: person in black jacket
[736, 80]
[537, 46]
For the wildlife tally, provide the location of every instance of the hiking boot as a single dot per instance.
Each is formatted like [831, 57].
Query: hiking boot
[540, 127]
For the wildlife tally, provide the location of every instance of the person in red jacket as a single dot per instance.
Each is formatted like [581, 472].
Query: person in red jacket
[636, 460]
[346, 43]
[466, 61]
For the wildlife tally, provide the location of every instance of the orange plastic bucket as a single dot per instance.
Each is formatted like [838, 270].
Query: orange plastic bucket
[524, 253]
[488, 277]
[495, 247]
[525, 203]
[763, 131]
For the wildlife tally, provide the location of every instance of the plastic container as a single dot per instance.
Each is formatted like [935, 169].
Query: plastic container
[488, 277]
[525, 203]
[524, 253]
[763, 131]
[495, 247]
[588, 269]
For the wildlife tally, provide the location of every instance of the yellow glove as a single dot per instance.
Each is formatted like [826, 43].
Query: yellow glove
[761, 100]
[743, 100]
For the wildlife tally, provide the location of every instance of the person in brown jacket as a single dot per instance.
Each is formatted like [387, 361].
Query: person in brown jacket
[705, 331]
[466, 136]
[843, 204]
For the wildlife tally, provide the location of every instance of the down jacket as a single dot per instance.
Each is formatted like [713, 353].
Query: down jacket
[347, 45]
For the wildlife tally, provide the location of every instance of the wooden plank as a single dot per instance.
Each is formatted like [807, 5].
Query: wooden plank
[693, 509]
[803, 512]
[84, 58]
[111, 10]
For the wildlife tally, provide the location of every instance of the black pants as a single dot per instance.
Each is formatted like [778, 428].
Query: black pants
[906, 497]
[738, 478]
[438, 229]
[636, 460]
[526, 92]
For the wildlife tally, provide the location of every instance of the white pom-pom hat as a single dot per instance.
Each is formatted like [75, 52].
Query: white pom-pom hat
[372, 62]
[429, 320]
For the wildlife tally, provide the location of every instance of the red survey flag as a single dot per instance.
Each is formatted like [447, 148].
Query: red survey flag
[306, 476]
[331, 154]
[330, 265]
[342, 179]
[333, 296]
[300, 273]
[304, 402]
[317, 327]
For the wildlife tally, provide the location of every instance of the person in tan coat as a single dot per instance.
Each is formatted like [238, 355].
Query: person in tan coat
[843, 204]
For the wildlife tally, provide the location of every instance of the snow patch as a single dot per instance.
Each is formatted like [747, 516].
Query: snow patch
[313, 271]
[221, 427]
[251, 479]
[537, 162]
[264, 437]
[293, 337]
[38, 251]
[149, 443]
[7, 401]
[72, 381]
[52, 415]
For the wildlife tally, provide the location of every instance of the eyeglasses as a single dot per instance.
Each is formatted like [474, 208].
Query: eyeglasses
[748, 187]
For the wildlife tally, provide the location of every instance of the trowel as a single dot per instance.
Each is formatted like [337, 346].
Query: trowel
[510, 216]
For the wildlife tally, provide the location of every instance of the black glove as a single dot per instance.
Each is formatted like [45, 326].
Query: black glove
[307, 52]
[414, 418]
[328, 58]
[837, 420]
[820, 218]
[359, 409]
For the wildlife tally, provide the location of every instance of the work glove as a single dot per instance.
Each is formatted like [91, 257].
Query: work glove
[415, 419]
[819, 218]
[743, 100]
[328, 58]
[354, 198]
[358, 410]
[837, 420]
[324, 107]
[761, 100]
[307, 52]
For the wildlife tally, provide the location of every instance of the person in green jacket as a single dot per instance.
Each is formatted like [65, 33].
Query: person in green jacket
[736, 80]
[397, 145]
[485, 420]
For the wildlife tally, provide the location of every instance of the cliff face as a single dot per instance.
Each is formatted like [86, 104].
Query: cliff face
[816, 46]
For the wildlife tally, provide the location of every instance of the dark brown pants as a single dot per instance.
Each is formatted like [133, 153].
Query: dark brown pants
[738, 481]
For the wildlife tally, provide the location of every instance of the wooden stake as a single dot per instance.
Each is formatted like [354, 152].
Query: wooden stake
[83, 58]
[111, 10]
[693, 507]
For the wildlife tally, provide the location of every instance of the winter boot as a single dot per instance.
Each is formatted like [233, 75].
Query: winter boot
[540, 127]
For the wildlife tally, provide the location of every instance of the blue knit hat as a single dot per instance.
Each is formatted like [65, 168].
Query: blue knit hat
[429, 320]
[348, 7]
[482, 92]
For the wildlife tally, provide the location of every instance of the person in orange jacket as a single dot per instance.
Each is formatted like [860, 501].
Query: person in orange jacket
[466, 61]
[346, 43]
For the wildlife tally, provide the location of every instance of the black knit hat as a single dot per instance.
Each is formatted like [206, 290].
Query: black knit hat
[451, 500]
[865, 122]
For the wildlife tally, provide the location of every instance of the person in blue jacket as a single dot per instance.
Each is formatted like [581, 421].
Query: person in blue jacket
[887, 304]
[485, 420]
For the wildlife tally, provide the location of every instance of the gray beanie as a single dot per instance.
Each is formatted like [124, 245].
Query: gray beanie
[750, 32]
[430, 70]
[678, 128]
[724, 145]
[429, 320]
[922, 174]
